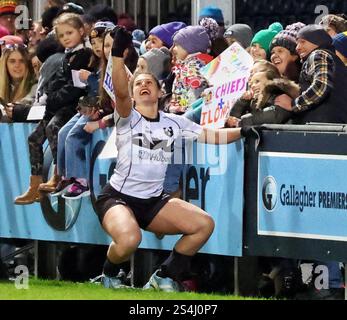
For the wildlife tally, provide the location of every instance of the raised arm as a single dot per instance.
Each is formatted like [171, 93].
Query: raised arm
[122, 41]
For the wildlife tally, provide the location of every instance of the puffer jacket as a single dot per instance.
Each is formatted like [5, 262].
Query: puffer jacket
[61, 92]
[264, 110]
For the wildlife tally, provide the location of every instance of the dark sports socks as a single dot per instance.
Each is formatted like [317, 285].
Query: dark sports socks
[176, 266]
[110, 269]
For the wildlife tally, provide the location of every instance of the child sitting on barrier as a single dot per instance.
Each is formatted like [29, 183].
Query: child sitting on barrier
[190, 52]
[73, 139]
[260, 45]
[62, 99]
[257, 105]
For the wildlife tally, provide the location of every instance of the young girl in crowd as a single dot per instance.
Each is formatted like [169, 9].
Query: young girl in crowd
[18, 83]
[190, 54]
[257, 106]
[260, 45]
[73, 138]
[62, 100]
[190, 48]
[161, 35]
[49, 53]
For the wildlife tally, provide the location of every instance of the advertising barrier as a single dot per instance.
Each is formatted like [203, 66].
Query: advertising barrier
[215, 184]
[296, 194]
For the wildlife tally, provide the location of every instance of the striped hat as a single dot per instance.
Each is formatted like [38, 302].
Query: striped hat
[287, 37]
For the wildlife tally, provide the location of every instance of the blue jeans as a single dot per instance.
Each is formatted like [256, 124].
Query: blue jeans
[73, 159]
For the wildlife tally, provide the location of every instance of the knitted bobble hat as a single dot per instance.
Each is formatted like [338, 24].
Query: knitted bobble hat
[287, 37]
[265, 37]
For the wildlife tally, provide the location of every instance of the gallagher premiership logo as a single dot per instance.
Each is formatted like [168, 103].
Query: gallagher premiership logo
[269, 193]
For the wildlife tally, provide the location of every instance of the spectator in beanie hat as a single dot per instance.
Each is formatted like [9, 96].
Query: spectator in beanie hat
[96, 36]
[218, 45]
[323, 80]
[340, 44]
[260, 45]
[8, 15]
[192, 39]
[189, 51]
[156, 61]
[283, 52]
[333, 24]
[310, 38]
[323, 83]
[216, 14]
[241, 33]
[161, 36]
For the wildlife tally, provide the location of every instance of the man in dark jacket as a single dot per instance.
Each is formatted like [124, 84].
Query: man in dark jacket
[323, 79]
[323, 82]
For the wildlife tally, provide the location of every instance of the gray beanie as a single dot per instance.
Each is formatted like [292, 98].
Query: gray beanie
[316, 35]
[242, 33]
[158, 61]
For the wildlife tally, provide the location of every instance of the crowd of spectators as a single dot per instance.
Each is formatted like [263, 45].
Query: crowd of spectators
[299, 76]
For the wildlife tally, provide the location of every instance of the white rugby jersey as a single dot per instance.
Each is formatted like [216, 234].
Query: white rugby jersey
[145, 149]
